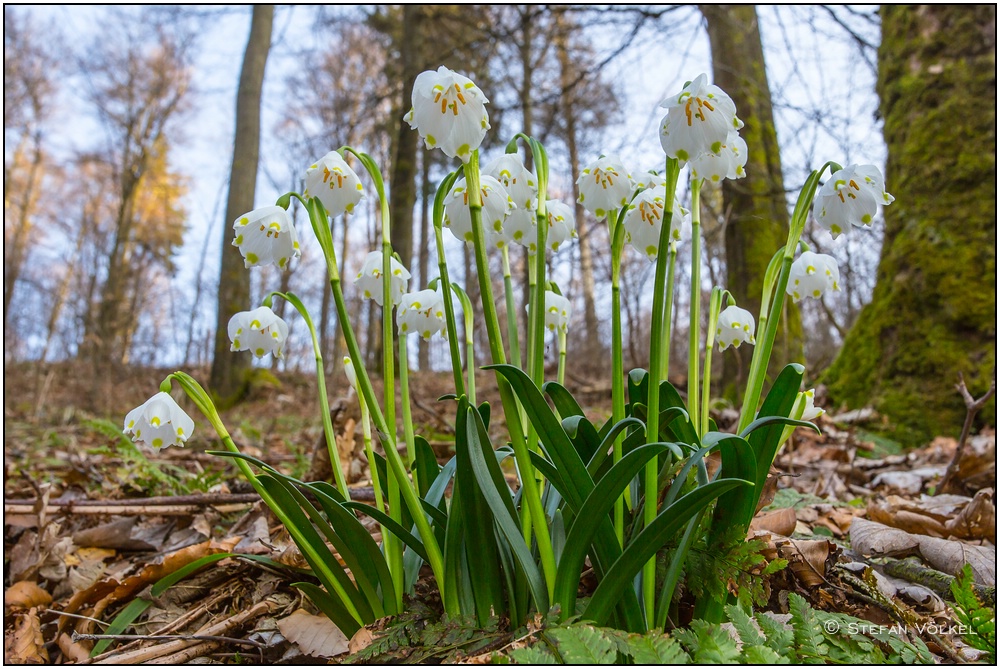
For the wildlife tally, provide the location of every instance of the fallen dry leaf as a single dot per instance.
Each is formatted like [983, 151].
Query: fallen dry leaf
[779, 521]
[362, 639]
[72, 650]
[807, 559]
[26, 595]
[314, 635]
[978, 520]
[24, 644]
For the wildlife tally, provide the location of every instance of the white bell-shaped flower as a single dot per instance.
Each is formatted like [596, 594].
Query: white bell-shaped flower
[159, 422]
[735, 326]
[562, 224]
[698, 120]
[811, 411]
[850, 196]
[521, 187]
[260, 331]
[422, 312]
[644, 220]
[449, 112]
[369, 279]
[266, 236]
[351, 373]
[729, 163]
[497, 205]
[336, 185]
[557, 310]
[650, 180]
[811, 275]
[605, 185]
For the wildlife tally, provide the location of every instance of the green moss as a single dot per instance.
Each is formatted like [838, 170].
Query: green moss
[933, 313]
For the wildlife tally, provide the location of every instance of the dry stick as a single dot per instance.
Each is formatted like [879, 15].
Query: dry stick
[149, 654]
[205, 500]
[156, 510]
[972, 407]
[188, 654]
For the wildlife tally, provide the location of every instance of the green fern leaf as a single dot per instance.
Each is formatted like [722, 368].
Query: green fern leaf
[583, 644]
[978, 622]
[708, 643]
[778, 637]
[533, 655]
[805, 628]
[762, 655]
[655, 648]
[744, 626]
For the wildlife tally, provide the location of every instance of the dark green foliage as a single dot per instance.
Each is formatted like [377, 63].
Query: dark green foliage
[734, 560]
[978, 622]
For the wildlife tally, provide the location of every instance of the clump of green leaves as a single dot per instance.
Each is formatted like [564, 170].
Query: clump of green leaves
[732, 561]
[809, 637]
[978, 621]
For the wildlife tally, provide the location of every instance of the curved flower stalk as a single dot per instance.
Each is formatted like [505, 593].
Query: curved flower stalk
[366, 431]
[422, 312]
[159, 422]
[698, 120]
[812, 274]
[334, 183]
[497, 205]
[644, 218]
[728, 163]
[266, 236]
[851, 196]
[260, 331]
[369, 278]
[605, 186]
[736, 326]
[449, 112]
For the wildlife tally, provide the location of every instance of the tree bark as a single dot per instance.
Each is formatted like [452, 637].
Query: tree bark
[757, 224]
[933, 311]
[234, 280]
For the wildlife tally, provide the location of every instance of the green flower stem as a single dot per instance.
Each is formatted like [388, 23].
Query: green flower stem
[767, 325]
[449, 308]
[513, 345]
[616, 232]
[538, 298]
[714, 306]
[207, 408]
[694, 327]
[470, 343]
[366, 431]
[668, 314]
[650, 506]
[532, 291]
[434, 556]
[324, 404]
[561, 373]
[527, 470]
[404, 390]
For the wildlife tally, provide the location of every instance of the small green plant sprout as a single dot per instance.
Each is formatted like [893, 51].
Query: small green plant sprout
[615, 496]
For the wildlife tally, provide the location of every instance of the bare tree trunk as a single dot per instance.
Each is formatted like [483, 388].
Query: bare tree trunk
[234, 281]
[15, 255]
[758, 213]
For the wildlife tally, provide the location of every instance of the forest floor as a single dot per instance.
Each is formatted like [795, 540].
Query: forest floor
[91, 523]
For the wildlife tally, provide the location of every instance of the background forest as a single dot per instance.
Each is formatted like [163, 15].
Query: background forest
[128, 154]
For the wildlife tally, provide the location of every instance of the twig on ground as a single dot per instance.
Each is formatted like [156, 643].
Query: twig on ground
[167, 637]
[972, 407]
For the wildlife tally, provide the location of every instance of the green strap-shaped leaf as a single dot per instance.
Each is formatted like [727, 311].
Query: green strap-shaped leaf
[425, 464]
[779, 402]
[682, 475]
[780, 420]
[125, 617]
[583, 435]
[737, 506]
[597, 505]
[564, 401]
[601, 454]
[502, 508]
[404, 535]
[167, 581]
[331, 608]
[618, 579]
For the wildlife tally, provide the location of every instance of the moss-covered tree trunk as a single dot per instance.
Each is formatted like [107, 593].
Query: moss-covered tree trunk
[234, 280]
[933, 312]
[757, 213]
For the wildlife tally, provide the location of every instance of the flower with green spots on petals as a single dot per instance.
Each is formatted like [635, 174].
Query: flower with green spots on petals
[422, 313]
[497, 205]
[369, 279]
[728, 163]
[260, 331]
[266, 236]
[521, 186]
[850, 196]
[562, 224]
[334, 183]
[810, 410]
[605, 186]
[449, 112]
[158, 422]
[644, 219]
[735, 327]
[811, 275]
[698, 120]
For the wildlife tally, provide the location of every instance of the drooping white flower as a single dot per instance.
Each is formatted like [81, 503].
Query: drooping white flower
[811, 411]
[604, 185]
[698, 120]
[159, 422]
[812, 274]
[449, 112]
[422, 312]
[369, 279]
[266, 236]
[644, 220]
[728, 163]
[735, 326]
[351, 373]
[336, 185]
[260, 331]
[850, 196]
[650, 180]
[496, 207]
[557, 310]
[562, 224]
[520, 184]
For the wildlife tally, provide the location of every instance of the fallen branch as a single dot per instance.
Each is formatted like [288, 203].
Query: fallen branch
[972, 407]
[912, 570]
